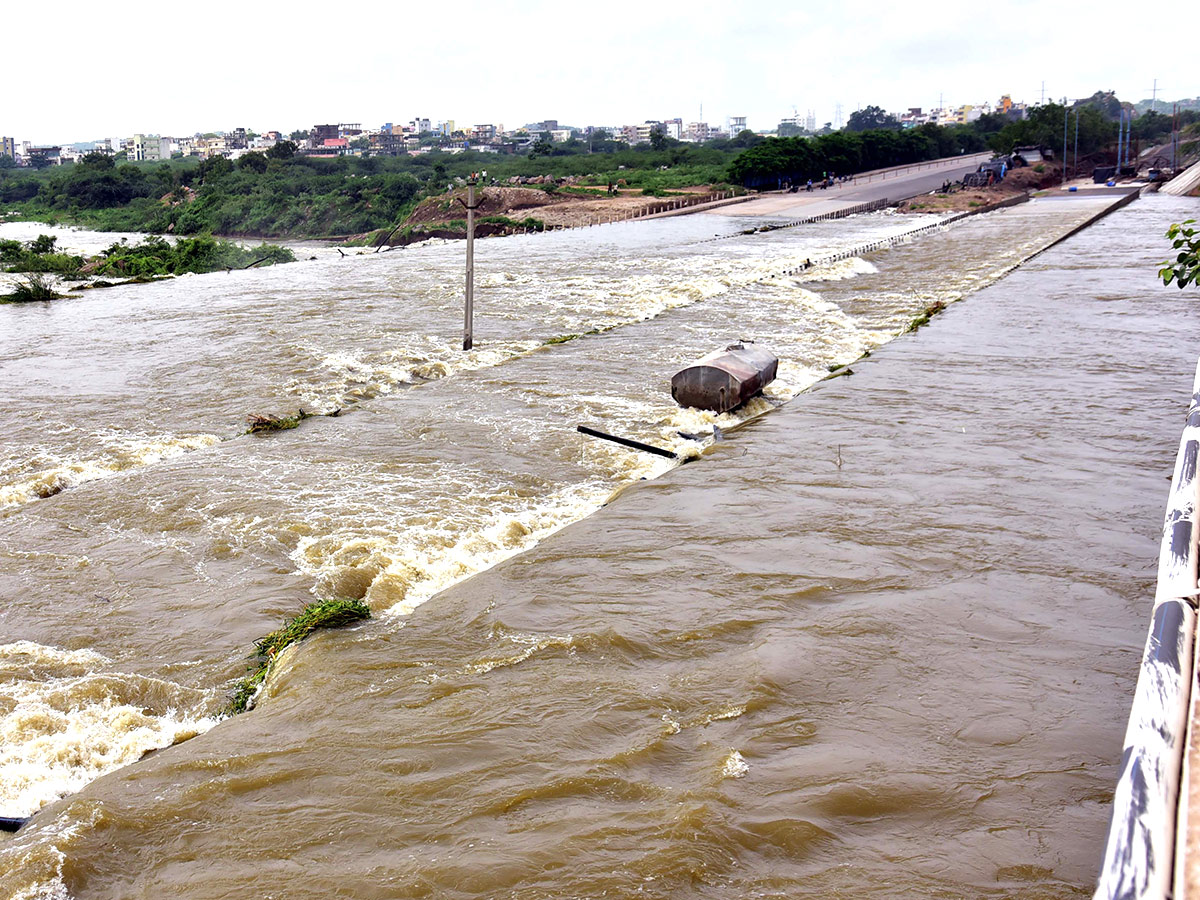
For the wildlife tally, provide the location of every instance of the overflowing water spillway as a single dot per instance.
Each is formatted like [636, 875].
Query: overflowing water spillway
[850, 656]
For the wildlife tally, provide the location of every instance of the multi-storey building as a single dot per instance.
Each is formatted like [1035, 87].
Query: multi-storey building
[145, 148]
[319, 134]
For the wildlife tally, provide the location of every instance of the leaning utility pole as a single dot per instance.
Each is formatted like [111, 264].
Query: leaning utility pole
[471, 205]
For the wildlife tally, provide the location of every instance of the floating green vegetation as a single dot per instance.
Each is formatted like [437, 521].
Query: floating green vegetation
[32, 290]
[529, 222]
[155, 256]
[260, 424]
[39, 255]
[926, 314]
[320, 614]
[150, 259]
[564, 338]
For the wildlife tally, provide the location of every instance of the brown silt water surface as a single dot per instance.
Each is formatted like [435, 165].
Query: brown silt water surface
[877, 641]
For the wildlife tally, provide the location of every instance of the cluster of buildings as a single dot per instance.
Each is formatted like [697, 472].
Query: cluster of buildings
[963, 115]
[141, 147]
[418, 135]
[910, 118]
[421, 135]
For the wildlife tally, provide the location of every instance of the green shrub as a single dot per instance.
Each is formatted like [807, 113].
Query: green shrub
[320, 614]
[33, 290]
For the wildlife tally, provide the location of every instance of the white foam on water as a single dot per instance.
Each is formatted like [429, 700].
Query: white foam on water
[840, 270]
[66, 718]
[734, 765]
[114, 453]
[31, 863]
[355, 377]
[397, 567]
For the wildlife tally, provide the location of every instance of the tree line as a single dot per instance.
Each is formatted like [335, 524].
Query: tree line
[876, 140]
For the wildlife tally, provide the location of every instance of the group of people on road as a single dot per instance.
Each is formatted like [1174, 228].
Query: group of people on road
[828, 180]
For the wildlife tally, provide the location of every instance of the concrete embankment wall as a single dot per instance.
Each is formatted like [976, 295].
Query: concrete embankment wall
[1183, 183]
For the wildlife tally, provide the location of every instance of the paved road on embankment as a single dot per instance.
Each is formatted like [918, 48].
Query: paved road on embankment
[893, 185]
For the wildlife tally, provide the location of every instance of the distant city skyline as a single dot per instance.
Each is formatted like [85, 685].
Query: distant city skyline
[182, 70]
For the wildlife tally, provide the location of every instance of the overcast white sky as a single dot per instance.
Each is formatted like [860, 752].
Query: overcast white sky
[77, 71]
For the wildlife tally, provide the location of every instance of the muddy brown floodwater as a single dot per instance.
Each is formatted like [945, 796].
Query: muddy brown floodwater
[878, 641]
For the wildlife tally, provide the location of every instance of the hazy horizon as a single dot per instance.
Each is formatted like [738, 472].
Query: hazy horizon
[179, 71]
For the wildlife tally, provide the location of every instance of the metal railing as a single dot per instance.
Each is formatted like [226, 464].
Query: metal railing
[1139, 854]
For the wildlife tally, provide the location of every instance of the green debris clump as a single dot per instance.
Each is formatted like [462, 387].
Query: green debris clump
[320, 614]
[260, 424]
[33, 290]
[926, 314]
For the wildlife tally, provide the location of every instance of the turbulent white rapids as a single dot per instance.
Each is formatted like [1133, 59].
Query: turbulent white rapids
[146, 541]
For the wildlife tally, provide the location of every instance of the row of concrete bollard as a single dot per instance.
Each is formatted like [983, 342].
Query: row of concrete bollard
[865, 248]
[870, 206]
[898, 238]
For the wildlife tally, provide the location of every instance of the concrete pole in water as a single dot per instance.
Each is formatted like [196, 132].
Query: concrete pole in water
[468, 325]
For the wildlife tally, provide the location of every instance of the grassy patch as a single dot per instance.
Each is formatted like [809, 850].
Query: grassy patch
[565, 338]
[926, 314]
[320, 614]
[528, 222]
[34, 290]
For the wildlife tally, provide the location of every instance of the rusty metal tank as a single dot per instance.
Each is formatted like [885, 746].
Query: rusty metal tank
[725, 379]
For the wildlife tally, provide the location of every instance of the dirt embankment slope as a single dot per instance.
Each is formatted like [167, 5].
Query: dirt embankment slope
[960, 199]
[556, 208]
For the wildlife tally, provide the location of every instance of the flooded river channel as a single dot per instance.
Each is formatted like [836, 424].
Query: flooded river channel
[877, 642]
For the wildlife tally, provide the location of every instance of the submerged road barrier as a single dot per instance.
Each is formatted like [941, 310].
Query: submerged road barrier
[1140, 860]
[903, 237]
[857, 209]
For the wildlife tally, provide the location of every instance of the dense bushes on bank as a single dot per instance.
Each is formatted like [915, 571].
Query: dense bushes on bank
[150, 258]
